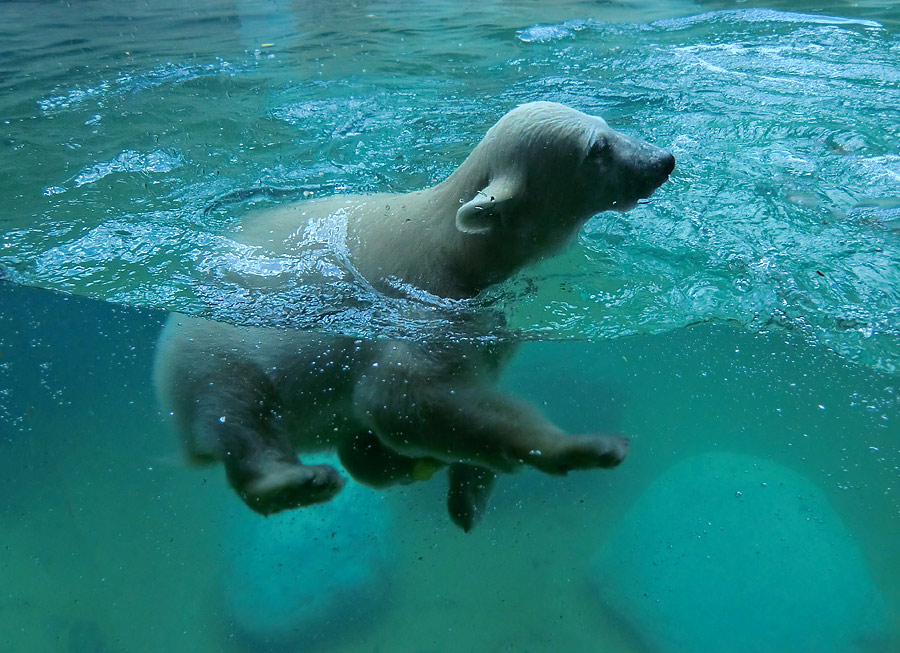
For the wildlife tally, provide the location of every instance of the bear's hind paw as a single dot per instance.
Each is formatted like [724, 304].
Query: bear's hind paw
[292, 486]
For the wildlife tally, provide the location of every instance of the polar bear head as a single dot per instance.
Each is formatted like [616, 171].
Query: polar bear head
[544, 169]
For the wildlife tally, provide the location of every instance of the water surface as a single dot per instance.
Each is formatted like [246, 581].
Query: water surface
[131, 158]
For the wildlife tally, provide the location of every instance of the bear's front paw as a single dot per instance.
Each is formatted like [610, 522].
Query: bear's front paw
[291, 486]
[582, 452]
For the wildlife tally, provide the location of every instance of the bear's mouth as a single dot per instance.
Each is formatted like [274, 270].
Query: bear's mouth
[643, 197]
[626, 205]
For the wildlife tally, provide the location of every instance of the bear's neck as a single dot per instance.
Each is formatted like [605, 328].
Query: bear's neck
[414, 239]
[475, 261]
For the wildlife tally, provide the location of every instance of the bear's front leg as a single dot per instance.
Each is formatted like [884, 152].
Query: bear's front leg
[236, 412]
[455, 421]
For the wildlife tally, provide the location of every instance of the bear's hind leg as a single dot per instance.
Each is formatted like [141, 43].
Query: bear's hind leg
[260, 462]
[285, 486]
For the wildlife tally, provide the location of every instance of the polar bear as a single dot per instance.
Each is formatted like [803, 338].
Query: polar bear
[397, 410]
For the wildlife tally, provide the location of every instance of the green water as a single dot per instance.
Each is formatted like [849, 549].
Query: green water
[751, 307]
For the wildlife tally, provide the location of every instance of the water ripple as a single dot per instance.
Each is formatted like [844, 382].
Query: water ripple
[781, 214]
[134, 82]
[130, 161]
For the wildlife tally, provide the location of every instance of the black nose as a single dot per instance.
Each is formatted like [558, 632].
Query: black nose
[668, 163]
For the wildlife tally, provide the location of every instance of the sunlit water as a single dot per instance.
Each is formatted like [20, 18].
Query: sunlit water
[134, 138]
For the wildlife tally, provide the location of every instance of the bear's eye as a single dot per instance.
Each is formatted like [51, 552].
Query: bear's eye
[599, 149]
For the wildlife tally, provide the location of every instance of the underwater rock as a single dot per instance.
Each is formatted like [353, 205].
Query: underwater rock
[299, 578]
[728, 552]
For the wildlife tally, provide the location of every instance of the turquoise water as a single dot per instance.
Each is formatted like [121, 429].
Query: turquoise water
[750, 309]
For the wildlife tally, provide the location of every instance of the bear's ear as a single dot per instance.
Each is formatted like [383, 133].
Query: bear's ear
[484, 211]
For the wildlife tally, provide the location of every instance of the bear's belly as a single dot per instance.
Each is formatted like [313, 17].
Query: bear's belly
[318, 421]
[315, 385]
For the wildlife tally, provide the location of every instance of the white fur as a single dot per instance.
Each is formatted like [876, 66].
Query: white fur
[398, 410]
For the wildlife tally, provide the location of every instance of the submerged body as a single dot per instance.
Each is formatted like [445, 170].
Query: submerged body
[397, 410]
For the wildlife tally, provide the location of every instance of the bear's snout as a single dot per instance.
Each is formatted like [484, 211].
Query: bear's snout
[649, 167]
[663, 163]
[668, 163]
